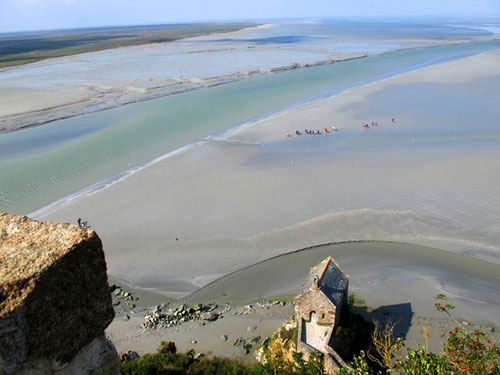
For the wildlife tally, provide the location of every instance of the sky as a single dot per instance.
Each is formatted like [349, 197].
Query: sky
[22, 15]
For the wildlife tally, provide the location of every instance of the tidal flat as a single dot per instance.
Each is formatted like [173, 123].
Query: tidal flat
[196, 188]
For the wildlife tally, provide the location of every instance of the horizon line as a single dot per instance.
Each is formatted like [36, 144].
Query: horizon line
[252, 20]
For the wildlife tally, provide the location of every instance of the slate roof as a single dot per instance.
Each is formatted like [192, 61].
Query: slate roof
[333, 282]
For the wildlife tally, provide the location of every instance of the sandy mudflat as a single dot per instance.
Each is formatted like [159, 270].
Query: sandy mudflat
[396, 279]
[249, 323]
[437, 96]
[407, 273]
[68, 86]
[64, 87]
[253, 193]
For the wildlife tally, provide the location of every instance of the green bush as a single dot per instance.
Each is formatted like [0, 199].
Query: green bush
[186, 364]
[465, 352]
[183, 363]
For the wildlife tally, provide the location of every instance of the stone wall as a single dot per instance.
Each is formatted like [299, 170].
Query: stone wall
[54, 295]
[314, 300]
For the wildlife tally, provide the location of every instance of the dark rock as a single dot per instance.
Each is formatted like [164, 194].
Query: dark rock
[129, 356]
[54, 287]
[255, 339]
[208, 316]
[167, 347]
[240, 341]
[247, 348]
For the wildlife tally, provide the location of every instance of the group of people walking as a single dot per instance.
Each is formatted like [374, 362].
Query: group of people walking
[334, 129]
[374, 123]
[312, 132]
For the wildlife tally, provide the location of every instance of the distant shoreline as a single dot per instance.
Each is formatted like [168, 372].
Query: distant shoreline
[118, 97]
[29, 47]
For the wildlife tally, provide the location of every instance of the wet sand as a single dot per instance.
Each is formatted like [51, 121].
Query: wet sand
[407, 274]
[392, 279]
[252, 193]
[69, 86]
[89, 82]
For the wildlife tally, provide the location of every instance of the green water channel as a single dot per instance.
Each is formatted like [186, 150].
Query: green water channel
[43, 164]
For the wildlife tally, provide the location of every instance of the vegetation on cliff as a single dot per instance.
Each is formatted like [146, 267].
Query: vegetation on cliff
[190, 363]
[465, 352]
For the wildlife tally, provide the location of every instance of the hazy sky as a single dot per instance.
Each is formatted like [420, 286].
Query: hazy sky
[17, 15]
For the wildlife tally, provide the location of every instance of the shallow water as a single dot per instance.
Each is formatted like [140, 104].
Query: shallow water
[277, 44]
[380, 272]
[42, 164]
[285, 274]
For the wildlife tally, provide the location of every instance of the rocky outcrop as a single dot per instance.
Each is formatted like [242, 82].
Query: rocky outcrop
[54, 295]
[97, 358]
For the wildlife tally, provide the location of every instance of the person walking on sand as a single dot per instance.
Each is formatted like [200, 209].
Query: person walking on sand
[79, 222]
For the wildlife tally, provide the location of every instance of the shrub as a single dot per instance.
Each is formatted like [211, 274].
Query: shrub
[465, 352]
[468, 352]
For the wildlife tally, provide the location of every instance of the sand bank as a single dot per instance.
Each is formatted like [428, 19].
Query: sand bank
[22, 108]
[394, 279]
[252, 193]
[239, 199]
[89, 82]
[412, 98]
[73, 85]
[406, 274]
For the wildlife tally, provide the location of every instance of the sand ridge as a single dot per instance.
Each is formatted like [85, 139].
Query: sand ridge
[232, 203]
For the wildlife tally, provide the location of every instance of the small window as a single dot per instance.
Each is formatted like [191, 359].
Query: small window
[323, 316]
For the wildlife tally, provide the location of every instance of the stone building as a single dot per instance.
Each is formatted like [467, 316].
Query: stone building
[318, 308]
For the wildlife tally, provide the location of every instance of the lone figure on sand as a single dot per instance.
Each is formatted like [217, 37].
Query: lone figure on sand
[79, 222]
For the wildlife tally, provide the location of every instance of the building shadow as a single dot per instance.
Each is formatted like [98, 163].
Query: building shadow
[401, 314]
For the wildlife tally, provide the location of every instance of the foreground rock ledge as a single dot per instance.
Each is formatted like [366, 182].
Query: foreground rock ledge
[54, 293]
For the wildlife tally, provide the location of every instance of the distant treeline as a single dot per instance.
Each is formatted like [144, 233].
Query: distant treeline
[27, 47]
